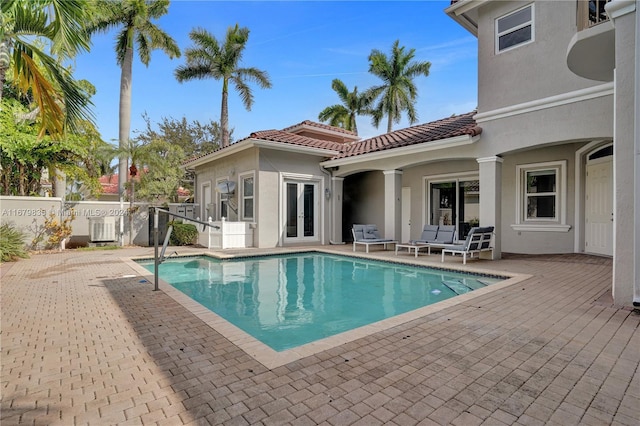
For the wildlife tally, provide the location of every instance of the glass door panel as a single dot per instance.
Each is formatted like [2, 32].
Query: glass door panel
[308, 215]
[469, 210]
[292, 210]
[443, 203]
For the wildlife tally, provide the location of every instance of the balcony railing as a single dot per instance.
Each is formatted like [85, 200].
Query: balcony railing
[591, 13]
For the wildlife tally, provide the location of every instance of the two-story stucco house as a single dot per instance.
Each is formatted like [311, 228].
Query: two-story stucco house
[558, 105]
[551, 157]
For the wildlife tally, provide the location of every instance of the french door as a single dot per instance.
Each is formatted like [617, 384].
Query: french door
[301, 211]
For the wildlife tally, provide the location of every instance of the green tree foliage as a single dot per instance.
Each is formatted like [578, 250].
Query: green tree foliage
[25, 27]
[221, 61]
[24, 155]
[161, 174]
[398, 92]
[194, 138]
[353, 104]
[134, 21]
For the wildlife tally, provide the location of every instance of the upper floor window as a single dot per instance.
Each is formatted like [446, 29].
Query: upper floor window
[514, 29]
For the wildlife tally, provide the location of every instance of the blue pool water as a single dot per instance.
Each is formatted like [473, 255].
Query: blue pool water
[289, 300]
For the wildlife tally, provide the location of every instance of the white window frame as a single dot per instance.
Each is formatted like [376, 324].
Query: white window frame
[512, 29]
[557, 224]
[220, 201]
[243, 196]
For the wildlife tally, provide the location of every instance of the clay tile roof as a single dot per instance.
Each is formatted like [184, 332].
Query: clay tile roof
[285, 136]
[319, 126]
[291, 138]
[109, 183]
[456, 125]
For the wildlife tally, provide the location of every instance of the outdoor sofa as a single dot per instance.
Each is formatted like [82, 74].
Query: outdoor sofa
[436, 234]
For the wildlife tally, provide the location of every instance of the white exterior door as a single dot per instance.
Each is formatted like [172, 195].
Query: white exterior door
[599, 207]
[406, 214]
[301, 211]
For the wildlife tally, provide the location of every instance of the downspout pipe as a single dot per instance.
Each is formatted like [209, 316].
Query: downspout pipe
[636, 265]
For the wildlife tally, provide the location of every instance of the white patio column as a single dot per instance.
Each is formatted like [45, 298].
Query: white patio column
[392, 204]
[491, 199]
[337, 190]
[626, 153]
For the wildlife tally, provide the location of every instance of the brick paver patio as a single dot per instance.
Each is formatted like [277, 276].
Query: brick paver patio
[84, 342]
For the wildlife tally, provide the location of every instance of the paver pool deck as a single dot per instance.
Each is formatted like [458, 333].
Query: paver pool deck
[84, 341]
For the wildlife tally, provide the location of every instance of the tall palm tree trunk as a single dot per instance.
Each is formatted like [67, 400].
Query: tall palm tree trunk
[390, 123]
[131, 206]
[124, 119]
[224, 114]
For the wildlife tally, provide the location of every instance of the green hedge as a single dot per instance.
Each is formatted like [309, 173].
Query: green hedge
[12, 245]
[183, 234]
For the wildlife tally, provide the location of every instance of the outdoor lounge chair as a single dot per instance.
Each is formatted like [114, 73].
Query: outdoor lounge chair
[368, 235]
[478, 240]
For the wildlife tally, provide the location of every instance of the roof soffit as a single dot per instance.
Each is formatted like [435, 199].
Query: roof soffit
[465, 12]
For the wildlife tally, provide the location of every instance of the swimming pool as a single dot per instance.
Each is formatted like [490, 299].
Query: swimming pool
[289, 300]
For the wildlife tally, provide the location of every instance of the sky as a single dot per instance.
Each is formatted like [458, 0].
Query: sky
[303, 46]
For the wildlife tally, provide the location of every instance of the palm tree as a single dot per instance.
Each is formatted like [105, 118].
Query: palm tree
[211, 59]
[353, 103]
[133, 18]
[398, 92]
[24, 25]
[133, 153]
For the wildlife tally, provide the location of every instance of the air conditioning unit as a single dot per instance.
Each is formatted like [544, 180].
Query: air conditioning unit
[102, 229]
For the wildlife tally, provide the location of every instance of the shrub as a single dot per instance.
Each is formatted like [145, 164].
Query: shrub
[54, 230]
[12, 245]
[183, 234]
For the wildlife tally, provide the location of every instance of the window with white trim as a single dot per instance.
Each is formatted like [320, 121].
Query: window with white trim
[540, 194]
[515, 29]
[541, 197]
[247, 196]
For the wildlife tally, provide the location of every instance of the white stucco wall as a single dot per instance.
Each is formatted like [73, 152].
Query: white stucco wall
[515, 241]
[532, 71]
[275, 166]
[230, 168]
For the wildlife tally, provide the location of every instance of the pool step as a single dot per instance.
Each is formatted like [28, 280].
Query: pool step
[475, 284]
[457, 287]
